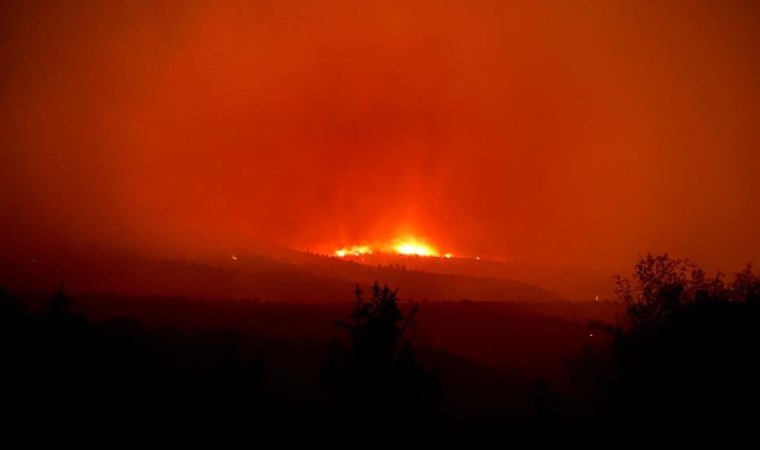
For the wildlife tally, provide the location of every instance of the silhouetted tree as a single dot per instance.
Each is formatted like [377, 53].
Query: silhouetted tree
[60, 302]
[685, 356]
[662, 286]
[375, 381]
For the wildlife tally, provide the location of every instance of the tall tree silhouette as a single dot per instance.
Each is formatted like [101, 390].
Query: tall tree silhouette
[374, 378]
[60, 302]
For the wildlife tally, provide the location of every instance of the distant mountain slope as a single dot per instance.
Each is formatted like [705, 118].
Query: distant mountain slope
[290, 278]
[573, 283]
[99, 270]
[421, 285]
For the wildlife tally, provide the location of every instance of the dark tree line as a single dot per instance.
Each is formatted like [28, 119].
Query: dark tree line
[684, 364]
[61, 369]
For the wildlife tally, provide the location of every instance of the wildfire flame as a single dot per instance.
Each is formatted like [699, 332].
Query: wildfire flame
[356, 250]
[406, 246]
[414, 247]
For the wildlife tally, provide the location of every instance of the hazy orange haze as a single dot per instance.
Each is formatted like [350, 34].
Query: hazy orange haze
[565, 132]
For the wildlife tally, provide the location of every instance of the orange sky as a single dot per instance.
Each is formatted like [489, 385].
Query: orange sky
[567, 132]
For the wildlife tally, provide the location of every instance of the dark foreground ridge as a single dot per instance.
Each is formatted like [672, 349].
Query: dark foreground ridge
[681, 365]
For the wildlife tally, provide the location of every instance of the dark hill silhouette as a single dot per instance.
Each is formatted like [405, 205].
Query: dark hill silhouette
[573, 283]
[248, 276]
[63, 371]
[438, 286]
[518, 337]
[679, 367]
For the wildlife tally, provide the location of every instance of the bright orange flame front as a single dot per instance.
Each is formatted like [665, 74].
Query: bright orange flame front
[405, 246]
[414, 248]
[356, 250]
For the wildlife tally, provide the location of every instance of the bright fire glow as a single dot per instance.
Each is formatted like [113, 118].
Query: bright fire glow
[407, 246]
[413, 247]
[356, 250]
